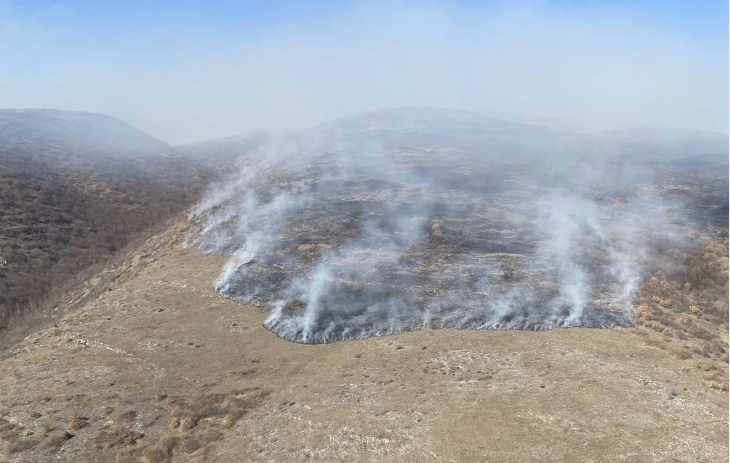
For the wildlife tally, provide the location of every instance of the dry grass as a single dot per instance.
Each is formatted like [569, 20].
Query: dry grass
[718, 386]
[75, 422]
[72, 211]
[118, 437]
[195, 423]
[682, 354]
[689, 304]
[385, 392]
[9, 436]
[20, 445]
[220, 410]
[155, 453]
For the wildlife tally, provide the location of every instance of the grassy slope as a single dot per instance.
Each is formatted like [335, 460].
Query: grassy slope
[67, 202]
[157, 367]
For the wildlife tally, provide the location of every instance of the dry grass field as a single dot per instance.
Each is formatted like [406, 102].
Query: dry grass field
[147, 363]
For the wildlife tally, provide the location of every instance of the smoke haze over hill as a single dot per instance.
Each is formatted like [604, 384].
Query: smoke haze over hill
[404, 231]
[453, 201]
[403, 219]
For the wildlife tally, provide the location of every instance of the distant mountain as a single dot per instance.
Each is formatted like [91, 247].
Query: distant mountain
[458, 128]
[389, 128]
[75, 188]
[84, 132]
[219, 153]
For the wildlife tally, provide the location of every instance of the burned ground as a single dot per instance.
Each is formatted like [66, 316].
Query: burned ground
[355, 231]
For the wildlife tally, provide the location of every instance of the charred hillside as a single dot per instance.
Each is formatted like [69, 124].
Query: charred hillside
[74, 189]
[404, 219]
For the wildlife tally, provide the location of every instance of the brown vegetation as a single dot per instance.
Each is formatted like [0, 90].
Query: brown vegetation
[684, 309]
[195, 423]
[75, 422]
[118, 437]
[64, 208]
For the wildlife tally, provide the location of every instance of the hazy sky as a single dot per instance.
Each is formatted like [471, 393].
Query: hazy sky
[190, 70]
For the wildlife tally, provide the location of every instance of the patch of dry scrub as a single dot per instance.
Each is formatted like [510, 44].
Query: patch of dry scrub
[117, 437]
[76, 422]
[683, 309]
[195, 422]
[12, 440]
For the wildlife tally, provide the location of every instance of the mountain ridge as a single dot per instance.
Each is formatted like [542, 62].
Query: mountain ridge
[49, 126]
[619, 136]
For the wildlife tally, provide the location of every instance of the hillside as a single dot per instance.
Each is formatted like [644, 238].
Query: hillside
[408, 219]
[160, 368]
[75, 188]
[458, 288]
[219, 154]
[449, 126]
[75, 132]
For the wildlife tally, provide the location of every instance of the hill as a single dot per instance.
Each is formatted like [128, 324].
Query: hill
[220, 154]
[404, 223]
[408, 219]
[75, 132]
[75, 188]
[161, 368]
[457, 126]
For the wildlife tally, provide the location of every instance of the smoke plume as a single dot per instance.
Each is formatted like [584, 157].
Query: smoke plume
[406, 219]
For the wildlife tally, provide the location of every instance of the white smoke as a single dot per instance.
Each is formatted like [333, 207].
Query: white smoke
[345, 233]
